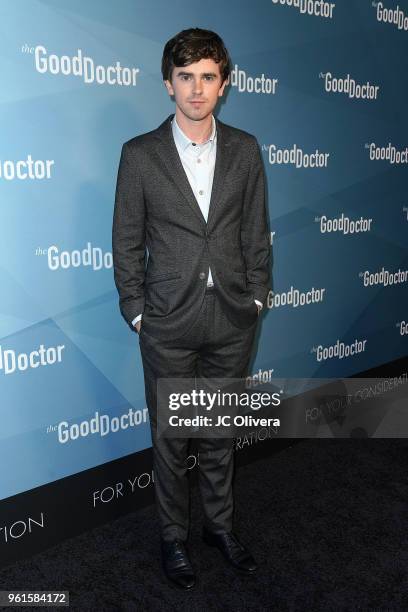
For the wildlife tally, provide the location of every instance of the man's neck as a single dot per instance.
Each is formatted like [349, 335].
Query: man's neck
[197, 131]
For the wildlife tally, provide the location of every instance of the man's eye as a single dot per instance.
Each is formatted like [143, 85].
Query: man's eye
[209, 77]
[185, 77]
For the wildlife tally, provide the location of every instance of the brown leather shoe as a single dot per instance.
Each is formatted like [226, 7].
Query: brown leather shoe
[176, 564]
[233, 551]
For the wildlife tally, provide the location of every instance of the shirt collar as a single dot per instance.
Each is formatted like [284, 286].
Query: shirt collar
[183, 141]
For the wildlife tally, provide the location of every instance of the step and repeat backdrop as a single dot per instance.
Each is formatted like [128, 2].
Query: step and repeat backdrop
[322, 85]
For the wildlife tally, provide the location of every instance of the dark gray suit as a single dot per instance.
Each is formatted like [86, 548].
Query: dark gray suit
[188, 330]
[155, 207]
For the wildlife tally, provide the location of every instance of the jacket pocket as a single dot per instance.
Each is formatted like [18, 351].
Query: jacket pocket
[161, 276]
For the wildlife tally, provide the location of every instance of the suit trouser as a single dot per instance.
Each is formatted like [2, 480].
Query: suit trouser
[212, 348]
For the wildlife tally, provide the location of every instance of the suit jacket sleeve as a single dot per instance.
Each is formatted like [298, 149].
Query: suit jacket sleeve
[128, 237]
[254, 229]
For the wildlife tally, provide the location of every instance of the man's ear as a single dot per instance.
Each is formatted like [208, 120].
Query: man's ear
[169, 87]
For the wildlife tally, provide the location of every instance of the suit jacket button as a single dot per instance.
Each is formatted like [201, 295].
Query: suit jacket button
[202, 275]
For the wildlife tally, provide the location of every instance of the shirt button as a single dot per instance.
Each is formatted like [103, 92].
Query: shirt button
[202, 275]
[198, 161]
[201, 192]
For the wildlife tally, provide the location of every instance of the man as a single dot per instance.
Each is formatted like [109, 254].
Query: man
[192, 192]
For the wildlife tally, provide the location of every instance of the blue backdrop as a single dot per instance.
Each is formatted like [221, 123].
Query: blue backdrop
[323, 86]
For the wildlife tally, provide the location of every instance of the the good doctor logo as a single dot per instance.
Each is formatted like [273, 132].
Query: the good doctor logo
[258, 84]
[100, 425]
[82, 66]
[91, 256]
[348, 86]
[316, 8]
[295, 298]
[394, 16]
[12, 361]
[383, 277]
[339, 350]
[26, 169]
[295, 156]
[389, 153]
[343, 225]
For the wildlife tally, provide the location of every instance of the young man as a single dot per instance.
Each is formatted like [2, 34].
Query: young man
[192, 192]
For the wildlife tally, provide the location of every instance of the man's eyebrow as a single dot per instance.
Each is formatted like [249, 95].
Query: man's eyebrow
[183, 72]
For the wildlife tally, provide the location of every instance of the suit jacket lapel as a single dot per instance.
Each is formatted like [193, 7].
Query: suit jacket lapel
[168, 152]
[222, 160]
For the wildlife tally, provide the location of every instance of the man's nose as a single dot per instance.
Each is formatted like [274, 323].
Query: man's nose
[197, 86]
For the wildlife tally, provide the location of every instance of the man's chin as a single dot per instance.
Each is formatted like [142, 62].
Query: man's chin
[197, 114]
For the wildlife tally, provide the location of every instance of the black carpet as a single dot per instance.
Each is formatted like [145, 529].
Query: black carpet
[326, 518]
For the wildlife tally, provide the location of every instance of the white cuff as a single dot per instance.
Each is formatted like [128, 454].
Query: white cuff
[138, 318]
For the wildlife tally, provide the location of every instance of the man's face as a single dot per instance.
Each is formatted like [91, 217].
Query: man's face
[196, 88]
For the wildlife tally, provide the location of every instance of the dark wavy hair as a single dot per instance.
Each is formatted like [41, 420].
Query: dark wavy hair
[193, 45]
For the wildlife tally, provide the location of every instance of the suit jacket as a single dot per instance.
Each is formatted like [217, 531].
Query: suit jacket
[155, 208]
